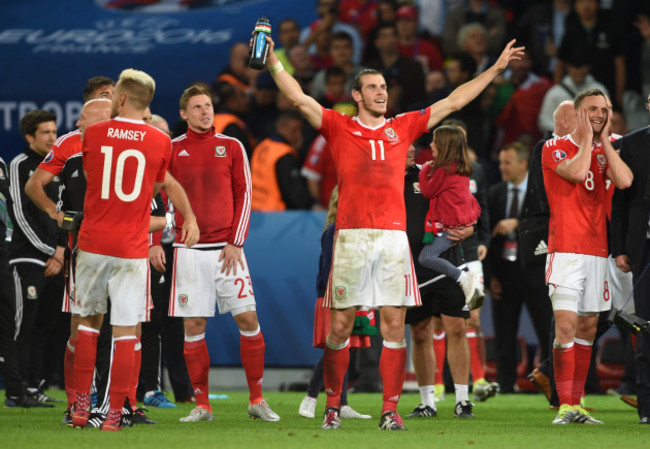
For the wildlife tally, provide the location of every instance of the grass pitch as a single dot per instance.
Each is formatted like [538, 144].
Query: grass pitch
[506, 421]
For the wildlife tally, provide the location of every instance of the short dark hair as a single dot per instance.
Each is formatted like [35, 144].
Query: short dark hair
[455, 122]
[30, 121]
[467, 63]
[587, 93]
[341, 36]
[333, 72]
[384, 25]
[522, 151]
[357, 79]
[193, 91]
[94, 83]
[286, 116]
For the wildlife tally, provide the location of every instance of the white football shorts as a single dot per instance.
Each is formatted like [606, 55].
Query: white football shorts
[371, 268]
[198, 285]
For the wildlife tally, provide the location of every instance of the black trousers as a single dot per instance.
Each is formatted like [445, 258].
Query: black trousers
[8, 353]
[642, 352]
[163, 336]
[518, 290]
[40, 300]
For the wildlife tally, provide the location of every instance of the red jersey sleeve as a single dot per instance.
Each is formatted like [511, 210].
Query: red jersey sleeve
[555, 151]
[242, 192]
[64, 147]
[160, 176]
[414, 122]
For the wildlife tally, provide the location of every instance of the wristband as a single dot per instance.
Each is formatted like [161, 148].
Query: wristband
[276, 68]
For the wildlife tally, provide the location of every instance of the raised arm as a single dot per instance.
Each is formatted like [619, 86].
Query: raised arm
[465, 93]
[576, 168]
[290, 88]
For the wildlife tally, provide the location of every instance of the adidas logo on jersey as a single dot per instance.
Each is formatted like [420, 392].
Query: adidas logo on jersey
[75, 174]
[542, 248]
[183, 153]
[356, 133]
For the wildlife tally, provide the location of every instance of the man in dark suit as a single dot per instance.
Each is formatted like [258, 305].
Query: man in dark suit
[511, 285]
[631, 247]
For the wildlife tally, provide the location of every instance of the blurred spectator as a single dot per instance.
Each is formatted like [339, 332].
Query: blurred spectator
[319, 171]
[232, 105]
[491, 17]
[263, 111]
[519, 115]
[577, 79]
[433, 14]
[634, 102]
[413, 46]
[288, 37]
[404, 76]
[336, 90]
[160, 123]
[341, 55]
[472, 39]
[237, 71]
[303, 67]
[619, 125]
[275, 168]
[322, 39]
[434, 80]
[328, 11]
[460, 68]
[541, 28]
[591, 33]
[386, 13]
[361, 14]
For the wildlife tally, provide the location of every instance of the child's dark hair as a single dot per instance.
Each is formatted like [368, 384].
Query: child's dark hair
[451, 144]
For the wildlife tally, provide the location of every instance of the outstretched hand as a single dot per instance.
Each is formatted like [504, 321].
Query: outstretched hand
[510, 53]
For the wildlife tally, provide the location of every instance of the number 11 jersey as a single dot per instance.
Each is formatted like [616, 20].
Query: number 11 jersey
[370, 165]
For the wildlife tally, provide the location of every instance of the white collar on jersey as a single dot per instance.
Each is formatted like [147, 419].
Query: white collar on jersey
[356, 119]
[129, 120]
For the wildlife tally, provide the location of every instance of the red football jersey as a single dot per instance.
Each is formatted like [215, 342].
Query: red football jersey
[64, 147]
[319, 166]
[370, 164]
[122, 159]
[578, 211]
[213, 169]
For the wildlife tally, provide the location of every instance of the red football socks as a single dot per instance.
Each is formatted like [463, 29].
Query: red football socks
[564, 366]
[122, 370]
[197, 360]
[391, 368]
[252, 357]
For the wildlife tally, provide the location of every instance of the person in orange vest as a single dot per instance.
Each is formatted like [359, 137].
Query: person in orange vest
[233, 104]
[275, 169]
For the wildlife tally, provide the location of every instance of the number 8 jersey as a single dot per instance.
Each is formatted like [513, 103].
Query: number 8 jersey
[370, 164]
[578, 210]
[122, 159]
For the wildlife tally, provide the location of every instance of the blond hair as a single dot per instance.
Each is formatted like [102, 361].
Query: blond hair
[138, 87]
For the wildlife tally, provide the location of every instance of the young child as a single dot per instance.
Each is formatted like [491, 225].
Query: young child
[364, 324]
[445, 181]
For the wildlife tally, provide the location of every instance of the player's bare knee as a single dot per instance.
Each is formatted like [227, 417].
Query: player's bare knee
[195, 326]
[246, 319]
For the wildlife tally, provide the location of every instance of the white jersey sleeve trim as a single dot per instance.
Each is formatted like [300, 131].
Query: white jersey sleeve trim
[15, 190]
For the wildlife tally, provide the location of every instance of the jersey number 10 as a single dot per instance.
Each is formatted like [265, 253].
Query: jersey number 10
[107, 151]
